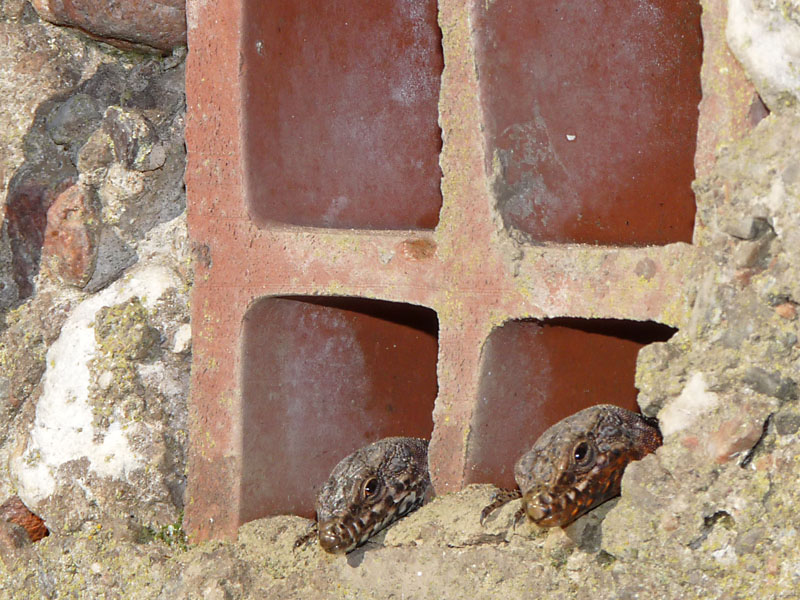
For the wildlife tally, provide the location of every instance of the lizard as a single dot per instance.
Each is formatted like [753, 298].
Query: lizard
[368, 490]
[577, 464]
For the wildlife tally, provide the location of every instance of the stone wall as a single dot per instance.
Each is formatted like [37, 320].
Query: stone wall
[95, 274]
[95, 277]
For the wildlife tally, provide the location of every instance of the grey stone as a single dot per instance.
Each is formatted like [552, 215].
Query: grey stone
[9, 292]
[74, 120]
[133, 139]
[770, 384]
[746, 541]
[113, 257]
[95, 156]
[787, 423]
[750, 254]
[745, 228]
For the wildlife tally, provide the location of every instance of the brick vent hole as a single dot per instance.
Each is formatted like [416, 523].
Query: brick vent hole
[341, 113]
[534, 373]
[320, 378]
[591, 114]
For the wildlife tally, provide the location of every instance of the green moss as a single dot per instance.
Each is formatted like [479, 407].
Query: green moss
[124, 338]
[559, 557]
[172, 535]
[125, 330]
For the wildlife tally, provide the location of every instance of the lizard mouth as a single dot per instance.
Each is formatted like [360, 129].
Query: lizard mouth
[559, 508]
[342, 535]
[345, 532]
[548, 511]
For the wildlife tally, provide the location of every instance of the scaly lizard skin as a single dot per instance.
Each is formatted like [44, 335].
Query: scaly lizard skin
[577, 464]
[368, 490]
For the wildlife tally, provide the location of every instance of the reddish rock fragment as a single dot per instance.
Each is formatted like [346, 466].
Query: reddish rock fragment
[25, 217]
[773, 566]
[70, 247]
[733, 437]
[14, 511]
[146, 25]
[787, 310]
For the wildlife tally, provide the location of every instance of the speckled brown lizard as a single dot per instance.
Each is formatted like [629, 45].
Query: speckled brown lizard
[369, 489]
[577, 464]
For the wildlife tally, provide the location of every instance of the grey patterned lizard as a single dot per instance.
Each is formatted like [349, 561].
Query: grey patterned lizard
[369, 489]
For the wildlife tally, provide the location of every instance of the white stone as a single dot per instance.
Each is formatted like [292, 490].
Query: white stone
[105, 380]
[726, 556]
[694, 401]
[62, 429]
[765, 39]
[183, 339]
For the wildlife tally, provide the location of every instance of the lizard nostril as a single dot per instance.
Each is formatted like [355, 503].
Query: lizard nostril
[331, 539]
[535, 510]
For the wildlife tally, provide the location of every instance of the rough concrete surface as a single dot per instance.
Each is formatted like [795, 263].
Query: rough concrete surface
[711, 514]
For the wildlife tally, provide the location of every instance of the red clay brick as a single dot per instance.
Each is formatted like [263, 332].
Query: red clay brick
[470, 270]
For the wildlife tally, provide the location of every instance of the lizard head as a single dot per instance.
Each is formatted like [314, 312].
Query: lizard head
[577, 463]
[370, 489]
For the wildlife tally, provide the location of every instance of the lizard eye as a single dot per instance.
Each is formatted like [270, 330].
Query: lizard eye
[370, 487]
[583, 453]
